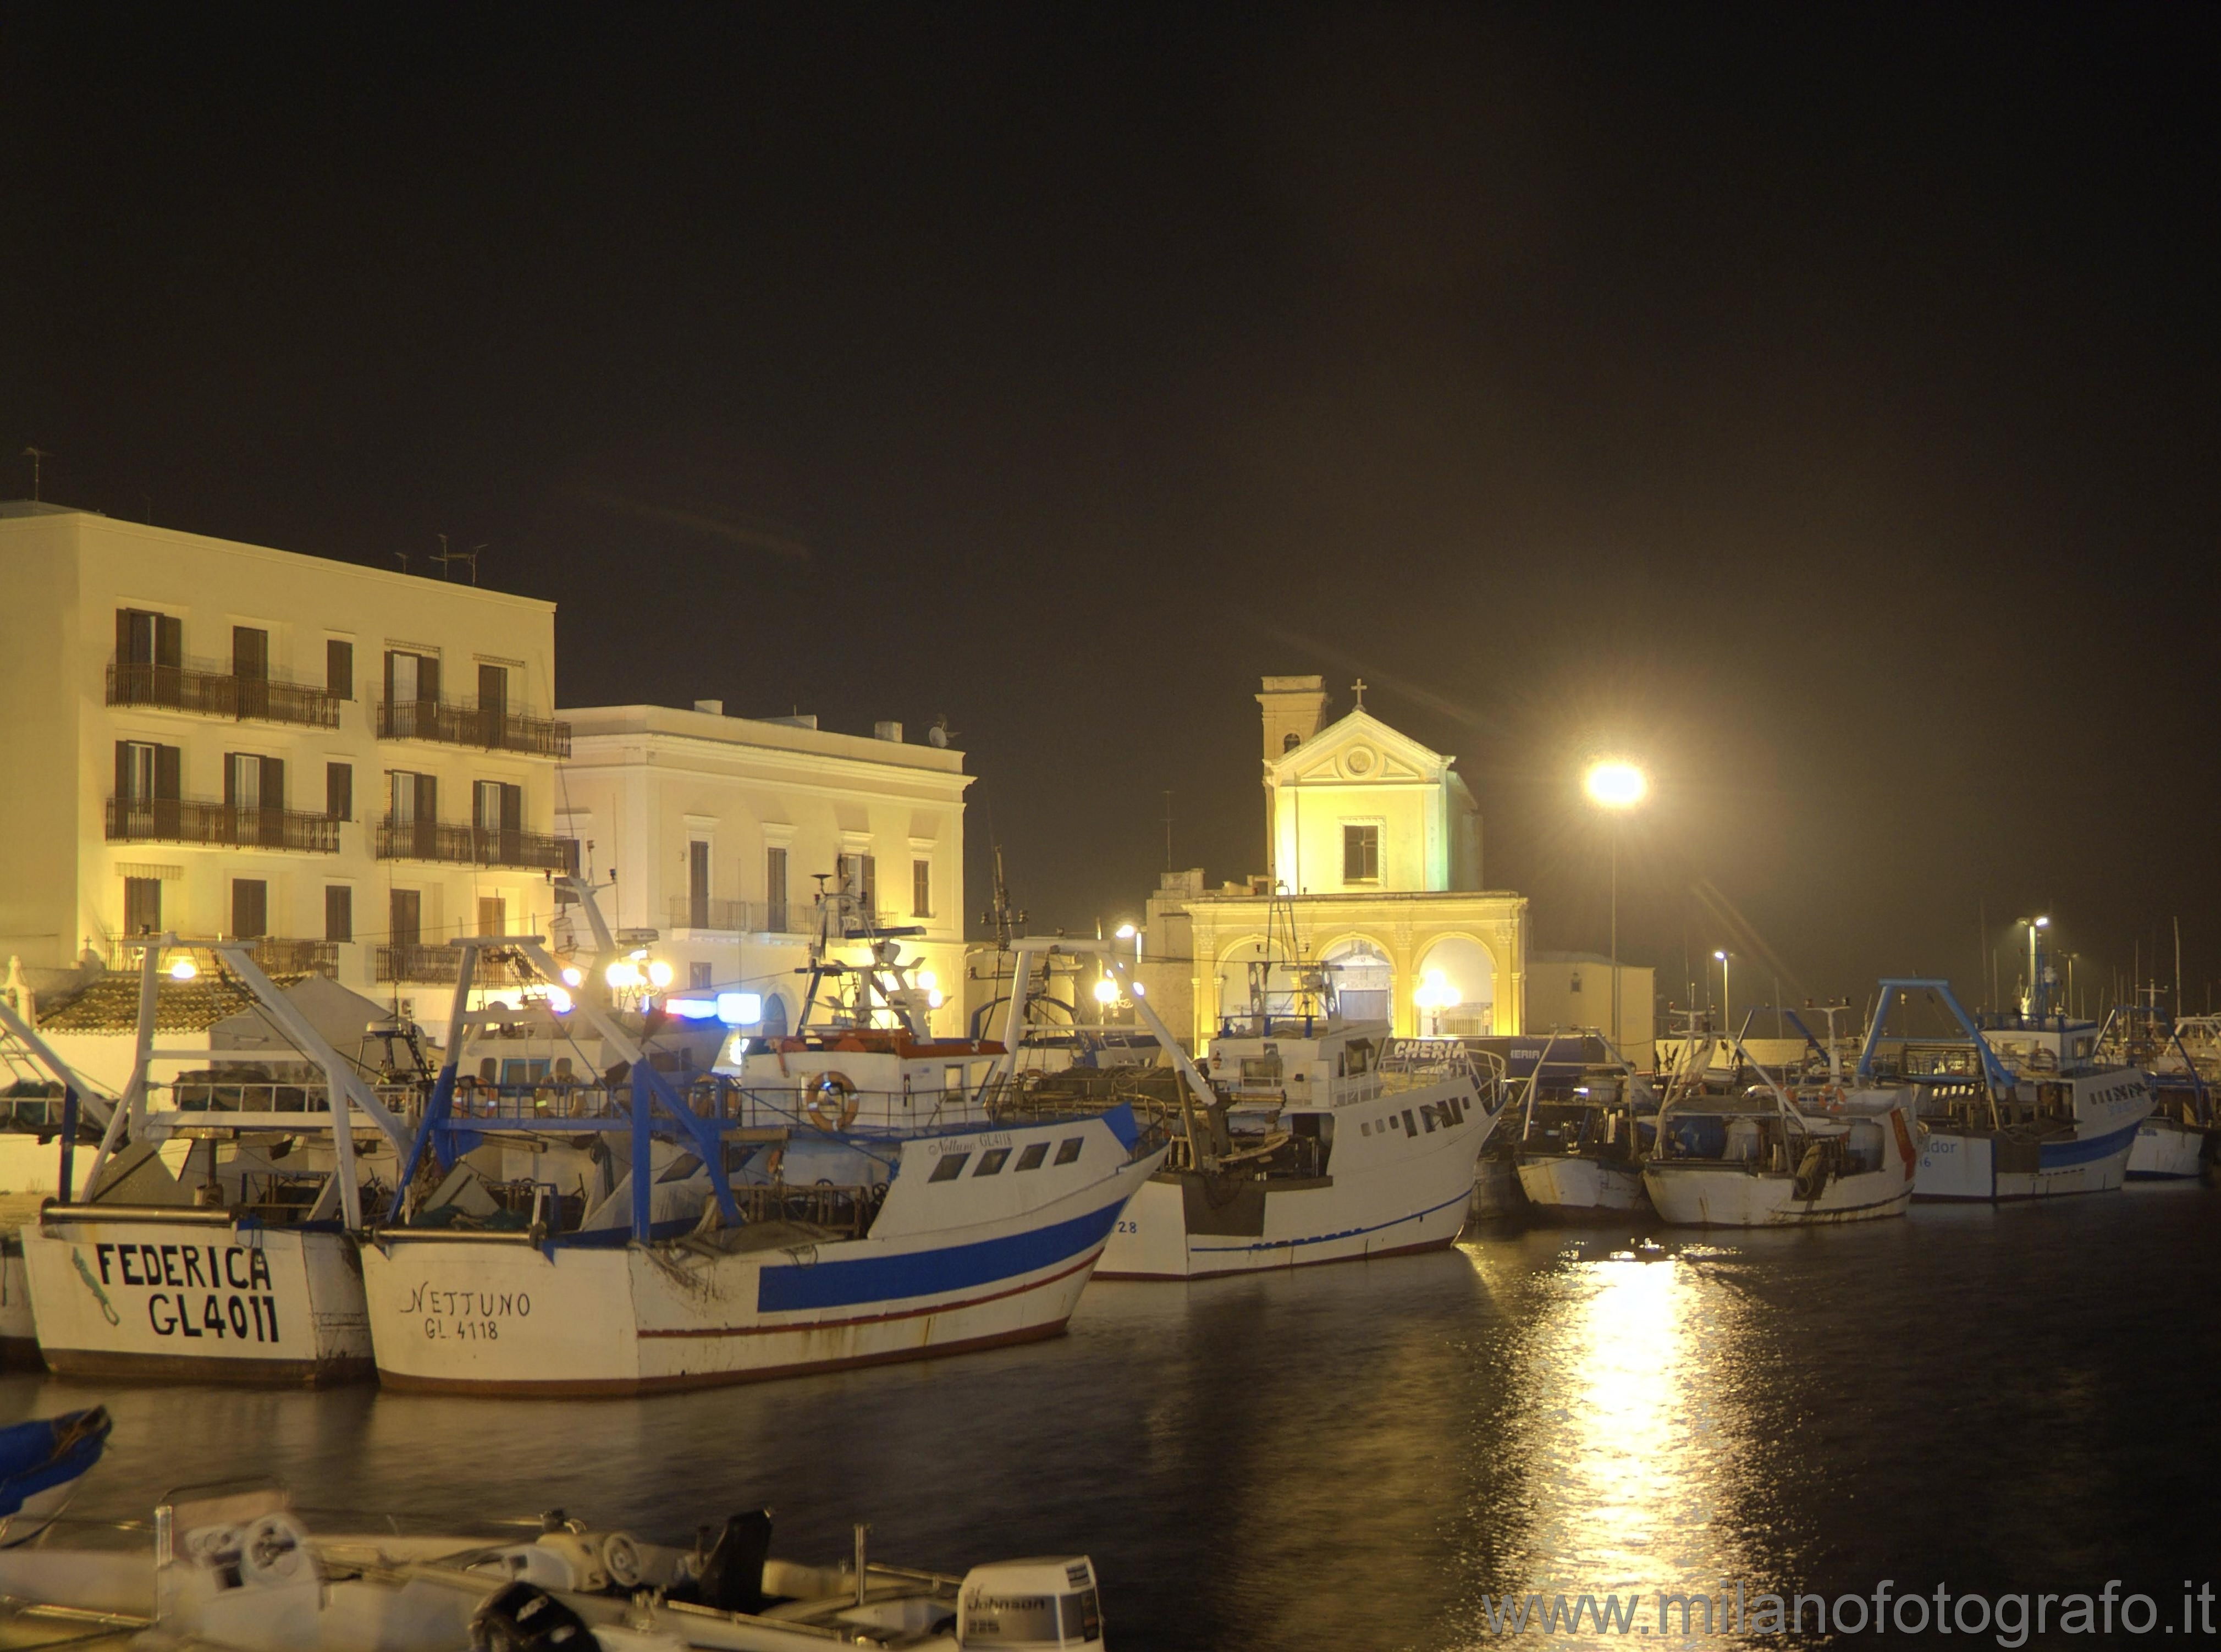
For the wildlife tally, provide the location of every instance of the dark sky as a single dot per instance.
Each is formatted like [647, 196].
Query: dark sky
[1820, 406]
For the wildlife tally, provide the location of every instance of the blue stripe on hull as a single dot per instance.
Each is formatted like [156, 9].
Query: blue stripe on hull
[2066, 1155]
[866, 1280]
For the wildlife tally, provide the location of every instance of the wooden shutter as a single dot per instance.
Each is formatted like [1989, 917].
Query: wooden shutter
[122, 774]
[169, 772]
[512, 808]
[169, 640]
[250, 909]
[339, 669]
[493, 689]
[250, 653]
[405, 917]
[126, 637]
[339, 912]
[273, 785]
[428, 678]
[339, 790]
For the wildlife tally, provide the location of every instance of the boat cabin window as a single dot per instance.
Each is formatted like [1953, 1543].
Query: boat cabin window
[1067, 1151]
[1032, 1157]
[1356, 1058]
[992, 1160]
[951, 1078]
[1260, 1069]
[950, 1167]
[1083, 1618]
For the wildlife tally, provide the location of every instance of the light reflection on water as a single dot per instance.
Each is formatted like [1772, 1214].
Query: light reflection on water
[1350, 1457]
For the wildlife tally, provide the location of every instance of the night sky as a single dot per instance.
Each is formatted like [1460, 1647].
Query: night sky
[1821, 409]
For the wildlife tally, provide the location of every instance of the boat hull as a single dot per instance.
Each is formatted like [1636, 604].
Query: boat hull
[2166, 1150]
[194, 1296]
[1386, 1194]
[19, 1334]
[1730, 1196]
[1569, 1184]
[498, 1314]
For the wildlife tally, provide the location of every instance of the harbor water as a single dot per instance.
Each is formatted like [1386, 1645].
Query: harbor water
[1998, 1400]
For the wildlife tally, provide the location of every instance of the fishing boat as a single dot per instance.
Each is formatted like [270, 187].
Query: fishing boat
[234, 1566]
[1807, 1152]
[216, 1244]
[1583, 1128]
[2179, 1061]
[746, 1232]
[2016, 1107]
[40, 1464]
[1307, 1138]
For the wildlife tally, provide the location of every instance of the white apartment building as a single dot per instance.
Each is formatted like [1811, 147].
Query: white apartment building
[349, 764]
[721, 830]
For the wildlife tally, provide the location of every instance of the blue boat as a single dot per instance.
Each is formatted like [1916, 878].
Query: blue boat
[40, 1463]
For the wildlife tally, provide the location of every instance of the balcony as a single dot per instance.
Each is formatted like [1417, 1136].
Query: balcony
[471, 846]
[437, 965]
[185, 820]
[492, 728]
[726, 917]
[214, 693]
[276, 955]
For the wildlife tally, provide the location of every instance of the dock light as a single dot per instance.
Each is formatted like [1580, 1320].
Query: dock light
[659, 975]
[559, 1001]
[2043, 923]
[184, 970]
[927, 981]
[739, 1009]
[691, 1009]
[1139, 991]
[933, 998]
[1125, 932]
[1106, 991]
[624, 976]
[1613, 783]
[573, 976]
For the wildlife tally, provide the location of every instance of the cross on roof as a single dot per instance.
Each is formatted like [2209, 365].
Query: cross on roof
[1358, 688]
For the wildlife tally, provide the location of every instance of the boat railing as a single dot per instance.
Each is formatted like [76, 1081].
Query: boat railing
[204, 1093]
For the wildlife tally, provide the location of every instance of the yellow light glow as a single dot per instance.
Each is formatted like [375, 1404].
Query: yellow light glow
[1106, 991]
[1125, 932]
[659, 975]
[933, 999]
[184, 970]
[624, 974]
[928, 980]
[559, 1000]
[573, 976]
[1436, 991]
[1613, 783]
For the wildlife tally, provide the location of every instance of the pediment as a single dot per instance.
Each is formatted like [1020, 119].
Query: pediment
[1359, 750]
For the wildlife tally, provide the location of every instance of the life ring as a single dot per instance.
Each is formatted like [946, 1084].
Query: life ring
[832, 1104]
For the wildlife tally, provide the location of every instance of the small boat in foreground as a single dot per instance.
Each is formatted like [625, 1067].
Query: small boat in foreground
[2180, 1061]
[40, 1464]
[234, 1566]
[1582, 1132]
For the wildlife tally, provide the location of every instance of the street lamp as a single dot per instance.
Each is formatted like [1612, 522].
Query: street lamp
[1725, 1023]
[1615, 785]
[1436, 994]
[2035, 964]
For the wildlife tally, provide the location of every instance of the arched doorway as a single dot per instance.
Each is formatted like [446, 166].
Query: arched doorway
[1460, 976]
[773, 1024]
[1235, 984]
[1364, 979]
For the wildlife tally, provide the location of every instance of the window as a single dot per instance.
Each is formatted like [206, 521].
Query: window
[147, 638]
[493, 915]
[405, 923]
[339, 790]
[698, 885]
[1361, 855]
[1067, 1151]
[147, 790]
[142, 906]
[1290, 741]
[339, 912]
[250, 909]
[950, 1167]
[411, 677]
[1032, 1157]
[497, 807]
[992, 1160]
[250, 654]
[254, 792]
[921, 888]
[775, 891]
[416, 797]
[859, 878]
[493, 689]
[698, 975]
[339, 669]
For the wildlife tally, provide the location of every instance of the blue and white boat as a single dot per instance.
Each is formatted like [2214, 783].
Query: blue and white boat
[2020, 1107]
[846, 1197]
[40, 1464]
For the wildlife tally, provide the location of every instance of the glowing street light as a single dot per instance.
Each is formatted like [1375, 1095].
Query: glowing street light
[1436, 993]
[1615, 785]
[1725, 1023]
[2036, 993]
[185, 969]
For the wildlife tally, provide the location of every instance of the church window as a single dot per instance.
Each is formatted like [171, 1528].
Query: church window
[1361, 855]
[1290, 741]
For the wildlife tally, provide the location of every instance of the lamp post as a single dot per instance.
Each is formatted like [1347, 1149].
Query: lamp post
[1615, 785]
[1726, 1022]
[2035, 1006]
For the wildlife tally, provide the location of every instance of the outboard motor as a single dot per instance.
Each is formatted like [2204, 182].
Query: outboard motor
[1034, 1605]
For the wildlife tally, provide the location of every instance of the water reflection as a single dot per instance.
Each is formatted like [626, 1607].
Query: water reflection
[1623, 1424]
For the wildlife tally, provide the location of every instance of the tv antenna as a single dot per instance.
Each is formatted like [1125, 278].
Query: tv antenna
[448, 557]
[38, 456]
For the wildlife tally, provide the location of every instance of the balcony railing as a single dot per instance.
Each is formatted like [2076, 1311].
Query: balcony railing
[277, 955]
[471, 846]
[176, 820]
[494, 728]
[730, 917]
[436, 964]
[220, 694]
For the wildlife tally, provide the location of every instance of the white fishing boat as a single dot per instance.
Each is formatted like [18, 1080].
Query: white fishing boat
[1308, 1139]
[2017, 1108]
[931, 1221]
[1583, 1131]
[2180, 1061]
[1807, 1153]
[234, 1566]
[217, 1242]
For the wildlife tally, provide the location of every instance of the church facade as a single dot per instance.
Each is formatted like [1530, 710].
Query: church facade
[1373, 846]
